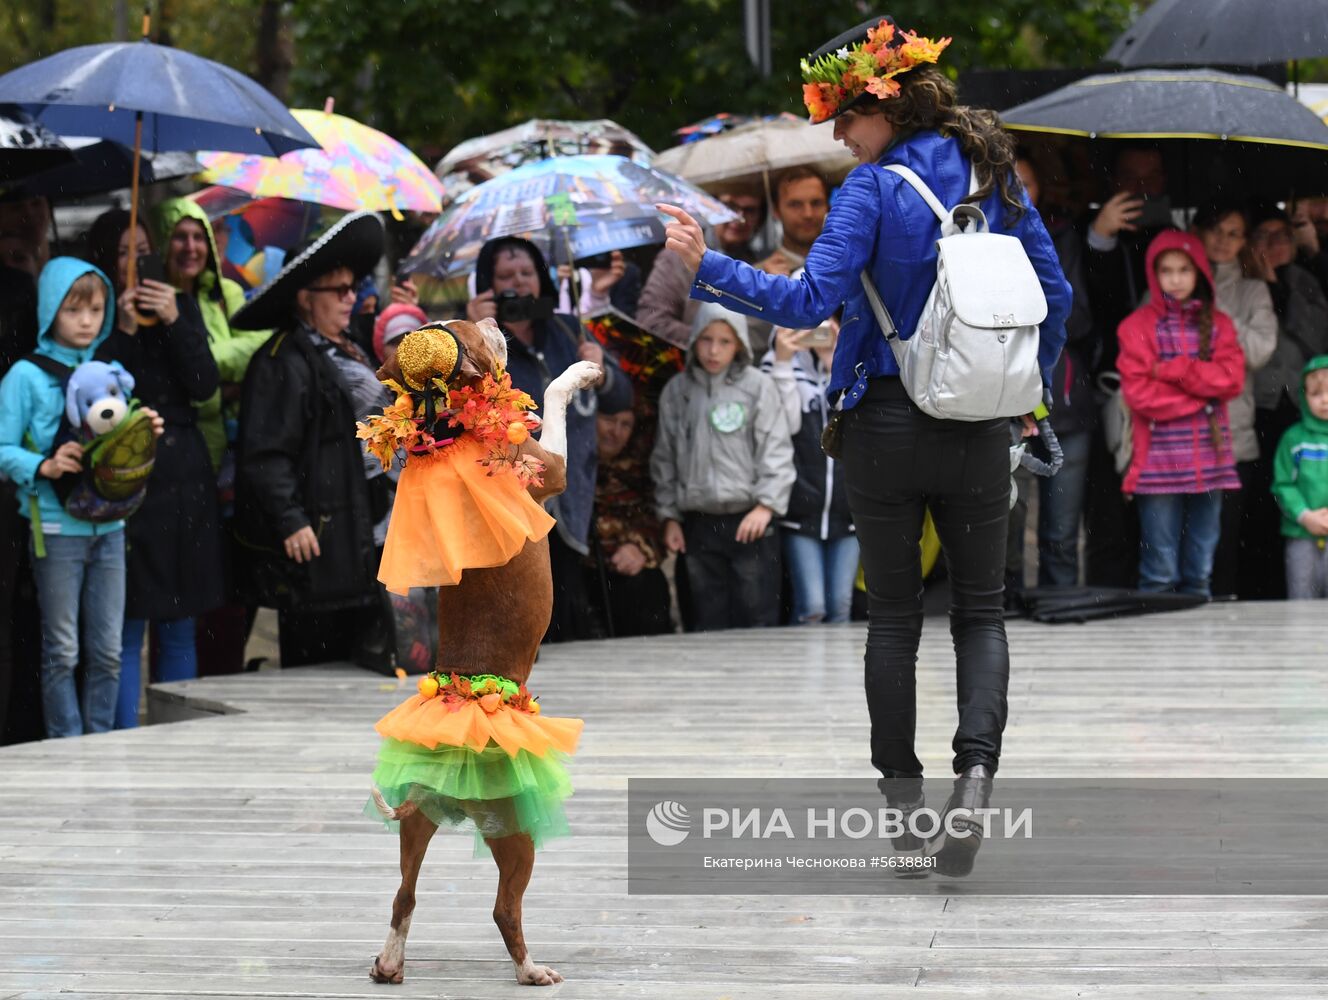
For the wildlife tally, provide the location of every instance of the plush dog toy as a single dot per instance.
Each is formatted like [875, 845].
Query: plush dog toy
[119, 444]
[97, 397]
[472, 747]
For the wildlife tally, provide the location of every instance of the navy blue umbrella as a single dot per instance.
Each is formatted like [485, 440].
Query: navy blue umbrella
[155, 98]
[186, 102]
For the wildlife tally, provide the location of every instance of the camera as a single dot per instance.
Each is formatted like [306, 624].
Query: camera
[514, 308]
[600, 261]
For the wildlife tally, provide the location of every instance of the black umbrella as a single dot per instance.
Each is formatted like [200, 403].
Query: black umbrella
[1224, 33]
[1223, 133]
[25, 146]
[102, 166]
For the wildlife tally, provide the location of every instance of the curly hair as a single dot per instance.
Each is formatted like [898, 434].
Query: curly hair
[927, 100]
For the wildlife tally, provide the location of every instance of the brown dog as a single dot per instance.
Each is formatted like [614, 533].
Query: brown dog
[471, 642]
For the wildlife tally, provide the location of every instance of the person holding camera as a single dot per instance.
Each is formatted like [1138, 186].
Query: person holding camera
[820, 547]
[513, 287]
[173, 556]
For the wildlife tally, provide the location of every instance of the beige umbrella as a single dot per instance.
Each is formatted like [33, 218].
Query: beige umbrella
[753, 153]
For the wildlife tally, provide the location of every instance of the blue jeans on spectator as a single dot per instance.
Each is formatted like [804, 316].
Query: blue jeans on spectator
[177, 660]
[823, 573]
[1060, 509]
[81, 592]
[1178, 535]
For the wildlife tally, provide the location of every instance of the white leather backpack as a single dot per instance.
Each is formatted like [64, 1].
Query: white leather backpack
[974, 354]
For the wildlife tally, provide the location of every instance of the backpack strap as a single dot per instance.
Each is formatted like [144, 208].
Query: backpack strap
[49, 365]
[951, 219]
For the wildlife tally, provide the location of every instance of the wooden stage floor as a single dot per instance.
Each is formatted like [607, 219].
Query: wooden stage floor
[227, 856]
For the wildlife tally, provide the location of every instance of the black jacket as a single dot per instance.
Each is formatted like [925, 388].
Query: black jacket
[1074, 406]
[174, 552]
[818, 505]
[299, 464]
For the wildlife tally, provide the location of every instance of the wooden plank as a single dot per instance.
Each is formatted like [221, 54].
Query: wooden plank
[226, 856]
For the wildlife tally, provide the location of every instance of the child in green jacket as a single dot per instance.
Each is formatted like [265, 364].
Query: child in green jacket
[1300, 484]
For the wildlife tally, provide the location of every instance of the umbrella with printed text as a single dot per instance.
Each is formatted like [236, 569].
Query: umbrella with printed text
[355, 167]
[152, 97]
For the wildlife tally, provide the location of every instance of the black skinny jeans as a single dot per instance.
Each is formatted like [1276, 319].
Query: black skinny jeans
[898, 462]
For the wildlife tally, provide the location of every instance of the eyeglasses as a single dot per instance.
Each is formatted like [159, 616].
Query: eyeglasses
[748, 210]
[341, 291]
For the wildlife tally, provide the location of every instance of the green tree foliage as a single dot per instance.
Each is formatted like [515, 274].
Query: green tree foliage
[435, 73]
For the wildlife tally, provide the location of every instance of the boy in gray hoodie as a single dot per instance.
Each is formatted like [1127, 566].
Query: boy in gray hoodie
[723, 470]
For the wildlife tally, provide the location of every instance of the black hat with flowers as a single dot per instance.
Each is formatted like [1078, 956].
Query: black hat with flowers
[861, 65]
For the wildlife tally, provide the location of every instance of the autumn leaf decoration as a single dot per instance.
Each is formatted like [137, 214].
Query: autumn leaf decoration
[836, 78]
[493, 412]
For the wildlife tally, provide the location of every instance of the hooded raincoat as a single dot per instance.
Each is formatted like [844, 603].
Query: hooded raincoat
[1171, 392]
[723, 443]
[218, 299]
[1300, 471]
[32, 402]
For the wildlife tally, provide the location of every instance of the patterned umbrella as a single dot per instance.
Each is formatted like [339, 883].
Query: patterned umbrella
[357, 167]
[26, 147]
[574, 206]
[487, 156]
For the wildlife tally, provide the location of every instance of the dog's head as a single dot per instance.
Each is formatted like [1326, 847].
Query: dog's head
[97, 395]
[458, 352]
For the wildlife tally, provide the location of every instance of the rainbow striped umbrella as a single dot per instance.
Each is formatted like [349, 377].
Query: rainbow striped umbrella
[357, 167]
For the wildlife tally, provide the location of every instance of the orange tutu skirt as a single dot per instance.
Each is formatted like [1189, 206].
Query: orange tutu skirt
[430, 723]
[451, 515]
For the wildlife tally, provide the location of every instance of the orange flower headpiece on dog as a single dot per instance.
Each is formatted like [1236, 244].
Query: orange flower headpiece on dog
[845, 70]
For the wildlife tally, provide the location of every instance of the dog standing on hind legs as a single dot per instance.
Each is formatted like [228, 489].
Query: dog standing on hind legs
[491, 620]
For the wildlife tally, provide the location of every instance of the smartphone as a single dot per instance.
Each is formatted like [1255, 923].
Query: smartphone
[819, 337]
[1156, 213]
[150, 268]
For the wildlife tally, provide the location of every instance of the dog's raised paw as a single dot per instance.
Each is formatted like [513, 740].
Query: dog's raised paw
[581, 375]
[538, 975]
[380, 975]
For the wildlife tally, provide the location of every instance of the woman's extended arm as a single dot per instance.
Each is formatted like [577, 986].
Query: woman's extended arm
[830, 274]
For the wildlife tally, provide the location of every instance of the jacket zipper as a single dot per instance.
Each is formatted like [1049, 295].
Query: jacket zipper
[829, 472]
[706, 287]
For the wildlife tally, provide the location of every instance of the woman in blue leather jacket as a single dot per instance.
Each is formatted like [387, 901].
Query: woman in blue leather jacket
[890, 106]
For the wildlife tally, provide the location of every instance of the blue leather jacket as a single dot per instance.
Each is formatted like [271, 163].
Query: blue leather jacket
[880, 223]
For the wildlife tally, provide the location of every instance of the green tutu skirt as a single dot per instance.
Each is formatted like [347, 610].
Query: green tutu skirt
[489, 791]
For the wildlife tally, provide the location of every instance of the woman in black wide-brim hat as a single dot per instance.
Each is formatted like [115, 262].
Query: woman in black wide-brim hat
[310, 507]
[890, 105]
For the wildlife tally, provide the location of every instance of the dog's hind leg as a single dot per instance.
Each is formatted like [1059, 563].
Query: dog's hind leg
[515, 856]
[416, 832]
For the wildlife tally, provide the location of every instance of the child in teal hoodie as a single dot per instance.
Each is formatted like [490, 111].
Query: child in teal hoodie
[1300, 484]
[81, 575]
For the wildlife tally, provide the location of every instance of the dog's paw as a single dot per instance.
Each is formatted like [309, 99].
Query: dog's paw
[581, 375]
[381, 974]
[537, 975]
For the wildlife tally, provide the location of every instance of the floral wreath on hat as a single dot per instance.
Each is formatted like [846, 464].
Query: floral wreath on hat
[834, 80]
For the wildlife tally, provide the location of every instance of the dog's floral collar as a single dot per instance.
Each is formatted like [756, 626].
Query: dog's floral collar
[493, 411]
[490, 690]
[837, 78]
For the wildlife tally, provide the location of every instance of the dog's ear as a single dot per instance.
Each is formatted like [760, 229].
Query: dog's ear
[73, 412]
[494, 338]
[122, 376]
[390, 370]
